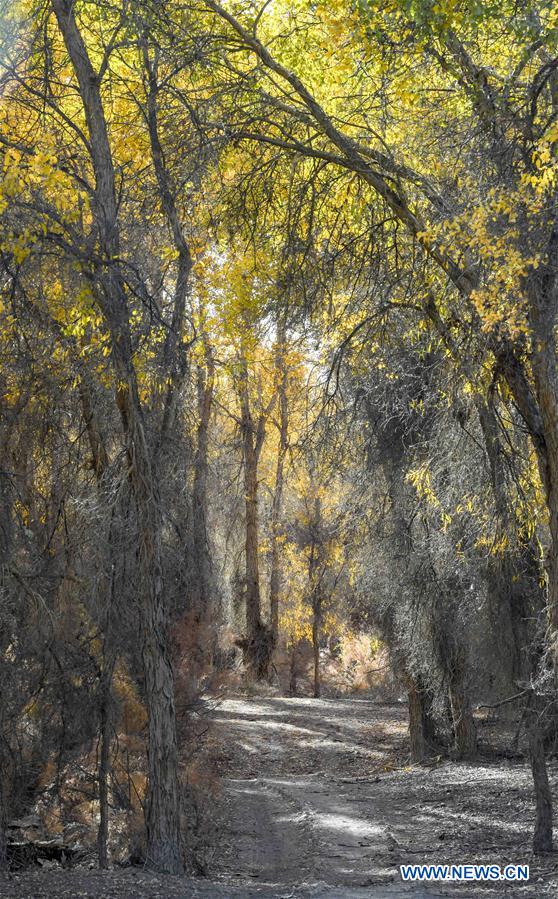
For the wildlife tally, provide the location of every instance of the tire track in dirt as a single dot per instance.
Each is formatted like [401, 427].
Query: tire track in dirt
[292, 822]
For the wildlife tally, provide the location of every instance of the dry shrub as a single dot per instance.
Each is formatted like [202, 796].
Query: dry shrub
[364, 661]
[133, 716]
[192, 650]
[200, 815]
[292, 666]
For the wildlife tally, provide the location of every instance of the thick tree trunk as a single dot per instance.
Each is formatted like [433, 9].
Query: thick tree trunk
[545, 369]
[163, 820]
[163, 801]
[419, 748]
[542, 293]
[423, 731]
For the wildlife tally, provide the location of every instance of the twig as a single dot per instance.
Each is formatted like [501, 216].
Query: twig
[503, 701]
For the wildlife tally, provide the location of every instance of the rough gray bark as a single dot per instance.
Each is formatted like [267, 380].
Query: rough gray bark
[542, 837]
[417, 736]
[162, 815]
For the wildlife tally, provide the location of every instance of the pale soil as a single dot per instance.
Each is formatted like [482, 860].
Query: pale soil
[318, 800]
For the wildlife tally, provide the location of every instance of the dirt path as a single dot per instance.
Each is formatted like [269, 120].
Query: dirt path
[318, 800]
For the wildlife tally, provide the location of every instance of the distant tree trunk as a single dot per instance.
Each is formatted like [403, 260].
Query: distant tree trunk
[464, 727]
[314, 578]
[199, 492]
[316, 623]
[277, 506]
[293, 671]
[253, 601]
[163, 820]
[258, 644]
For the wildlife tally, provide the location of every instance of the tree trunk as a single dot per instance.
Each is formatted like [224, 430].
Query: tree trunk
[293, 671]
[253, 602]
[258, 643]
[464, 727]
[416, 721]
[163, 820]
[277, 507]
[316, 622]
[542, 837]
[163, 803]
[542, 293]
[423, 730]
[315, 562]
[199, 494]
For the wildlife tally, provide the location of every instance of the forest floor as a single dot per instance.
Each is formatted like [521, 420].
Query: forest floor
[317, 799]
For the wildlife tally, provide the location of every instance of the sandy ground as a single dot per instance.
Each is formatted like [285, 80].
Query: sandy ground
[318, 800]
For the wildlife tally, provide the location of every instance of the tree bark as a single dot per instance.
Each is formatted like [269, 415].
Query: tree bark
[543, 836]
[293, 671]
[175, 362]
[315, 572]
[199, 492]
[316, 623]
[162, 818]
[464, 727]
[542, 294]
[423, 732]
[416, 721]
[258, 643]
[277, 506]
